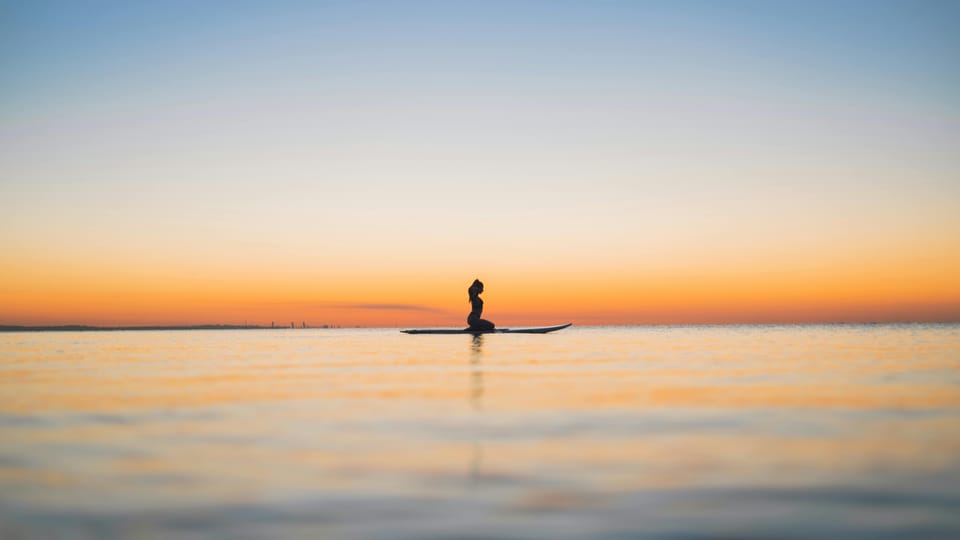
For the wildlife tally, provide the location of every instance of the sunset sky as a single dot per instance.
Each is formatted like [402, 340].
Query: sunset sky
[595, 162]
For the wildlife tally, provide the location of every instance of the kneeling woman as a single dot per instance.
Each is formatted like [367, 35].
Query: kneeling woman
[476, 305]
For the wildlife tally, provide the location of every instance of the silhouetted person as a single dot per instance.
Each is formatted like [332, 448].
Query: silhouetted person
[476, 305]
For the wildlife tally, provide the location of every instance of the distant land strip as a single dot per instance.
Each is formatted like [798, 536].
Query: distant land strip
[87, 328]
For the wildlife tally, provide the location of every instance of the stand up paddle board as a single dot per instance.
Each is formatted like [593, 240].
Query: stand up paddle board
[539, 330]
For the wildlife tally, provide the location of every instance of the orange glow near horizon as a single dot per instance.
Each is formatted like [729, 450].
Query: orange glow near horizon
[706, 293]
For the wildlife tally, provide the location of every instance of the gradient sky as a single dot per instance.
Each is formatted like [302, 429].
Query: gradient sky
[359, 163]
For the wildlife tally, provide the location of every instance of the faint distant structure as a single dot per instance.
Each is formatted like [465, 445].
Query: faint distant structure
[303, 324]
[273, 324]
[292, 325]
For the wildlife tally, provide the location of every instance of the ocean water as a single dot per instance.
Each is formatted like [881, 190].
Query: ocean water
[747, 432]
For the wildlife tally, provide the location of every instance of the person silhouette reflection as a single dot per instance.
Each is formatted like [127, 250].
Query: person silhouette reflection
[476, 309]
[476, 399]
[476, 372]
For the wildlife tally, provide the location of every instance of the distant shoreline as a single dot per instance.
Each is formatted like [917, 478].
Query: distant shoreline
[88, 328]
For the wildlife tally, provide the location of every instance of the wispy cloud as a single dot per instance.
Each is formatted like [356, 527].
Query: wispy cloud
[382, 307]
[366, 306]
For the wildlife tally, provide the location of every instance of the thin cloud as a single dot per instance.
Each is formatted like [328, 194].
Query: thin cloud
[384, 307]
[367, 306]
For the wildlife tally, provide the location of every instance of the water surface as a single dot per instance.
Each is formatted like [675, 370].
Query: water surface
[837, 431]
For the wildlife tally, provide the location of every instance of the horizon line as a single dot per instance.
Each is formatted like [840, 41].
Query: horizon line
[13, 328]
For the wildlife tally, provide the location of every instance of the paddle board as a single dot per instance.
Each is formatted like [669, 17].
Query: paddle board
[539, 330]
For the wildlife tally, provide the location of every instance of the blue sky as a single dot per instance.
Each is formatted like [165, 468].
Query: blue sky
[59, 49]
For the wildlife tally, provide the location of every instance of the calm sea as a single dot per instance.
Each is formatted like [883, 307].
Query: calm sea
[837, 431]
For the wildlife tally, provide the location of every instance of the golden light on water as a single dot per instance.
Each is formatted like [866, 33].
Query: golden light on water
[575, 422]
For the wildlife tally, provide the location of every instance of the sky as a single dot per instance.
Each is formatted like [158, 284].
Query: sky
[596, 162]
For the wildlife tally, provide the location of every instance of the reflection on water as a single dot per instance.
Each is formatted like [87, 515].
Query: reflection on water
[476, 400]
[679, 432]
[476, 372]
